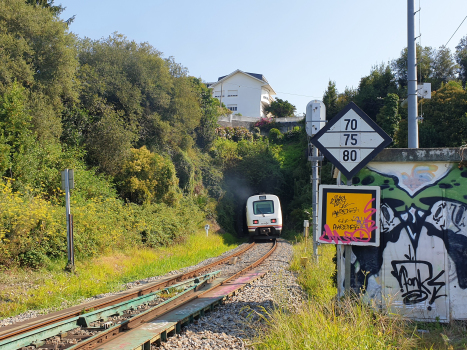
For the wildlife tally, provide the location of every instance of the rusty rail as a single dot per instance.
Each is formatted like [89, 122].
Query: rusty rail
[114, 332]
[118, 299]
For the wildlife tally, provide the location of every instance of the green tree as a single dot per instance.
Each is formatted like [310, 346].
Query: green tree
[443, 68]
[147, 177]
[388, 117]
[445, 116]
[39, 53]
[211, 110]
[461, 59]
[424, 65]
[15, 128]
[109, 141]
[330, 98]
[280, 108]
[373, 87]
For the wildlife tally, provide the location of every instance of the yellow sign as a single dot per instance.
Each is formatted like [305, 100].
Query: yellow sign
[349, 215]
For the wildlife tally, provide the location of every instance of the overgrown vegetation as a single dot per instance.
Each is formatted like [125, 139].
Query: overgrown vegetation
[323, 322]
[50, 287]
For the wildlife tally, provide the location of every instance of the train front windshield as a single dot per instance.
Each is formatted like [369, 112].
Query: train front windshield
[263, 207]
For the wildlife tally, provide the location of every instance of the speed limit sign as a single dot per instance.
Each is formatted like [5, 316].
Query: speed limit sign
[351, 140]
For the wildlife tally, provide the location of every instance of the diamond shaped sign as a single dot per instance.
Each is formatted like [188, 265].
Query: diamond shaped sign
[351, 140]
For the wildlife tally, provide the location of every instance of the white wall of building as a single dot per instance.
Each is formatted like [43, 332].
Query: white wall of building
[249, 93]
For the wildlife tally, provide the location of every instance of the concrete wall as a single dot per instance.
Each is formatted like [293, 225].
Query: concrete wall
[421, 265]
[249, 93]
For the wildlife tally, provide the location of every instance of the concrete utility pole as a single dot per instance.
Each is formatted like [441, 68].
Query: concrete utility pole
[412, 76]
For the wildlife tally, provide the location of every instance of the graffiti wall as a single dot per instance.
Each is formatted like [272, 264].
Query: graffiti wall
[420, 267]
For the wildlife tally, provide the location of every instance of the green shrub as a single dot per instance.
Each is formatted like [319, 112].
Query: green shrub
[275, 135]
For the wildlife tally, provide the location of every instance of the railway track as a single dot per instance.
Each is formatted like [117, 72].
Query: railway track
[130, 315]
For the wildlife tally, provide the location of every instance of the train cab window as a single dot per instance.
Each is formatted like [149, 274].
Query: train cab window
[263, 207]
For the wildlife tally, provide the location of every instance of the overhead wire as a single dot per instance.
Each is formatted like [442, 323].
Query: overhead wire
[456, 31]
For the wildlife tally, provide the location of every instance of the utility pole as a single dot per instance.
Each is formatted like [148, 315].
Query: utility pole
[315, 120]
[412, 76]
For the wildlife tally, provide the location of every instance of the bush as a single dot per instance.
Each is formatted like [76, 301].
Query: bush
[275, 135]
[236, 134]
[265, 123]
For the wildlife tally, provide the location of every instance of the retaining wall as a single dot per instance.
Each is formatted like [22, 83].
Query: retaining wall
[420, 267]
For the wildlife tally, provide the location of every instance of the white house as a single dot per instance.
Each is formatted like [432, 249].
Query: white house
[244, 93]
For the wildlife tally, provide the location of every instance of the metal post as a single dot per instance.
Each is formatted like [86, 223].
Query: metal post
[348, 258]
[315, 183]
[306, 224]
[67, 176]
[412, 76]
[68, 223]
[339, 253]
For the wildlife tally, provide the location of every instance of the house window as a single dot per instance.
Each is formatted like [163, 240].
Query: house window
[218, 94]
[232, 93]
[233, 108]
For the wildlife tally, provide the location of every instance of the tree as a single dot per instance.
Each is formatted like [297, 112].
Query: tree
[109, 141]
[330, 100]
[445, 116]
[373, 87]
[443, 68]
[424, 65]
[15, 128]
[388, 117]
[461, 59]
[147, 177]
[211, 110]
[280, 108]
[38, 53]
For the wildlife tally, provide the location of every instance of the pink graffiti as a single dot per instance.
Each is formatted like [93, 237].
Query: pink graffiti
[362, 234]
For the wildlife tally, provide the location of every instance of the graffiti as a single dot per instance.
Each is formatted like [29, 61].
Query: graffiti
[362, 228]
[415, 288]
[342, 212]
[422, 257]
[340, 201]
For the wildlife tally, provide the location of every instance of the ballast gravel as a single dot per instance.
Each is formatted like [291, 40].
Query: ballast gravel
[236, 323]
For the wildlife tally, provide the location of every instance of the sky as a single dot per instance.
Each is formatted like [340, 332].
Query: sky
[297, 45]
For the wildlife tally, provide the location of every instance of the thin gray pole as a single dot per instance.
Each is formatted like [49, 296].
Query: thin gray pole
[339, 254]
[348, 258]
[315, 183]
[68, 224]
[412, 76]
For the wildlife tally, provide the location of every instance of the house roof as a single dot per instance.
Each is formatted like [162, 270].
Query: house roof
[256, 76]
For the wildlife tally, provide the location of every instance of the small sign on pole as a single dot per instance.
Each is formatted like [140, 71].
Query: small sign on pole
[67, 184]
[349, 215]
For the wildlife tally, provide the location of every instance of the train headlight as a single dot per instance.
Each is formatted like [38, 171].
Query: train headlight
[255, 221]
[273, 220]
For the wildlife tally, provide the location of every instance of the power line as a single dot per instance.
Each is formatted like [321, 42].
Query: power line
[455, 31]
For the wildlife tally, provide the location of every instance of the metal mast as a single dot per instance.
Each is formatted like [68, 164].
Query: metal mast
[412, 76]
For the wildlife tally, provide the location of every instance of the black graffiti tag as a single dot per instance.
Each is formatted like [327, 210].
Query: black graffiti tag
[417, 288]
[340, 201]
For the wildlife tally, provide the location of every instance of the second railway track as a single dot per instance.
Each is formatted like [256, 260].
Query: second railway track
[85, 339]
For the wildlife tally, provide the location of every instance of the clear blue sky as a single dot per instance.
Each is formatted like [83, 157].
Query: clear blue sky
[297, 45]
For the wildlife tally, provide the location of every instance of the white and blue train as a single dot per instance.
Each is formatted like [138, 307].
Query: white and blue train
[264, 216]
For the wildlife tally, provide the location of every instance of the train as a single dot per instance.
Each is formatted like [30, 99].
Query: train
[263, 216]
